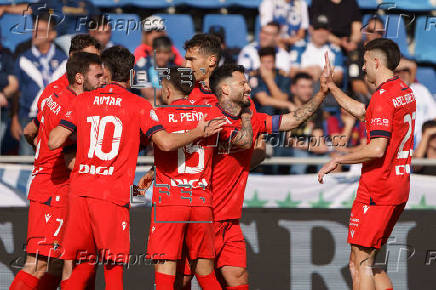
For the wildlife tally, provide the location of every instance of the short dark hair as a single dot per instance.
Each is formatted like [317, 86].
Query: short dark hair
[181, 78]
[119, 61]
[79, 63]
[162, 42]
[300, 76]
[221, 73]
[44, 15]
[428, 124]
[82, 41]
[388, 48]
[96, 21]
[264, 51]
[273, 23]
[207, 43]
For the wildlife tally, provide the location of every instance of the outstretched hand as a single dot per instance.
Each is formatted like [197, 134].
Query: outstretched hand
[327, 74]
[326, 169]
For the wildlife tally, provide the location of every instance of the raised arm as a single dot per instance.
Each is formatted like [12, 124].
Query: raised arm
[58, 136]
[244, 137]
[355, 108]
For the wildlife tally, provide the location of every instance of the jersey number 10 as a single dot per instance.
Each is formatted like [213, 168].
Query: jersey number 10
[98, 127]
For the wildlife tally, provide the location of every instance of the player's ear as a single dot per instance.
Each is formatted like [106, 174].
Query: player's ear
[225, 88]
[212, 60]
[79, 78]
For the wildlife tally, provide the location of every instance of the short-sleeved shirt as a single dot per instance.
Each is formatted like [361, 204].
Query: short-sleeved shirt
[183, 177]
[292, 16]
[109, 122]
[306, 54]
[34, 72]
[340, 15]
[249, 58]
[48, 162]
[258, 85]
[232, 165]
[58, 85]
[390, 114]
[6, 67]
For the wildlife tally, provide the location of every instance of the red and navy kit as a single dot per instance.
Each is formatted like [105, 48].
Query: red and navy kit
[56, 86]
[202, 96]
[385, 182]
[391, 115]
[108, 121]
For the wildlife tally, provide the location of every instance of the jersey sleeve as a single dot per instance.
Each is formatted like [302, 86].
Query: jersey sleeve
[382, 117]
[69, 119]
[149, 120]
[268, 124]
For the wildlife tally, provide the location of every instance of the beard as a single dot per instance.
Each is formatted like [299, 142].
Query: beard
[88, 87]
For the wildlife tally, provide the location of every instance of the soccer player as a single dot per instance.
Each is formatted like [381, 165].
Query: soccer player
[385, 181]
[108, 122]
[79, 43]
[50, 181]
[182, 189]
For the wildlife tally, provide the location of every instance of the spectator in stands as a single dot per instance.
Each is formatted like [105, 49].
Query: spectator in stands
[8, 87]
[35, 69]
[292, 15]
[270, 86]
[153, 27]
[309, 57]
[359, 87]
[345, 21]
[268, 37]
[68, 13]
[427, 148]
[147, 77]
[425, 104]
[227, 54]
[302, 145]
[100, 28]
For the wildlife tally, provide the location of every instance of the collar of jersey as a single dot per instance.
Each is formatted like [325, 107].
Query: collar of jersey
[226, 113]
[389, 80]
[117, 84]
[73, 92]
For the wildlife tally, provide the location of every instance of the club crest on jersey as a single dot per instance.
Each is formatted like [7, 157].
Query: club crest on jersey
[365, 208]
[68, 114]
[153, 116]
[47, 217]
[124, 225]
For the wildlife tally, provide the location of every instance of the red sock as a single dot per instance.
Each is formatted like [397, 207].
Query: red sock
[24, 281]
[113, 276]
[48, 282]
[82, 274]
[164, 281]
[240, 287]
[208, 282]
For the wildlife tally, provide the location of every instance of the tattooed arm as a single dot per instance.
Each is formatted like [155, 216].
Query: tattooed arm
[244, 137]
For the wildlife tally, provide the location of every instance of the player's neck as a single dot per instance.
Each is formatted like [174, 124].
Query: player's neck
[77, 89]
[230, 107]
[382, 76]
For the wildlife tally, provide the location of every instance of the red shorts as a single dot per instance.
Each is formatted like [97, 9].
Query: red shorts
[229, 247]
[96, 228]
[371, 225]
[45, 229]
[43, 188]
[173, 227]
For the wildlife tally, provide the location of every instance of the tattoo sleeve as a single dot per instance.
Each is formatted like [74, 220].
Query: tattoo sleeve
[244, 137]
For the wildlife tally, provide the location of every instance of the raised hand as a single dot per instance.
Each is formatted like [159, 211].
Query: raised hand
[211, 127]
[327, 74]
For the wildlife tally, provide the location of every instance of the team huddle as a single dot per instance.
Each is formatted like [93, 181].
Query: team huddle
[206, 137]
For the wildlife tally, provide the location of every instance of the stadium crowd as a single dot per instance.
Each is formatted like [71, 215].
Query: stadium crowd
[283, 69]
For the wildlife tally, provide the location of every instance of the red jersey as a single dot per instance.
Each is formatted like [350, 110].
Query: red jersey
[390, 114]
[231, 167]
[108, 121]
[49, 169]
[56, 86]
[183, 177]
[202, 96]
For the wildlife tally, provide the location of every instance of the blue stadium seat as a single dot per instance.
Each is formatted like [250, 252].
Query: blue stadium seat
[207, 4]
[254, 4]
[106, 3]
[15, 29]
[415, 5]
[425, 38]
[256, 28]
[153, 4]
[426, 75]
[180, 28]
[234, 25]
[395, 30]
[126, 30]
[368, 4]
